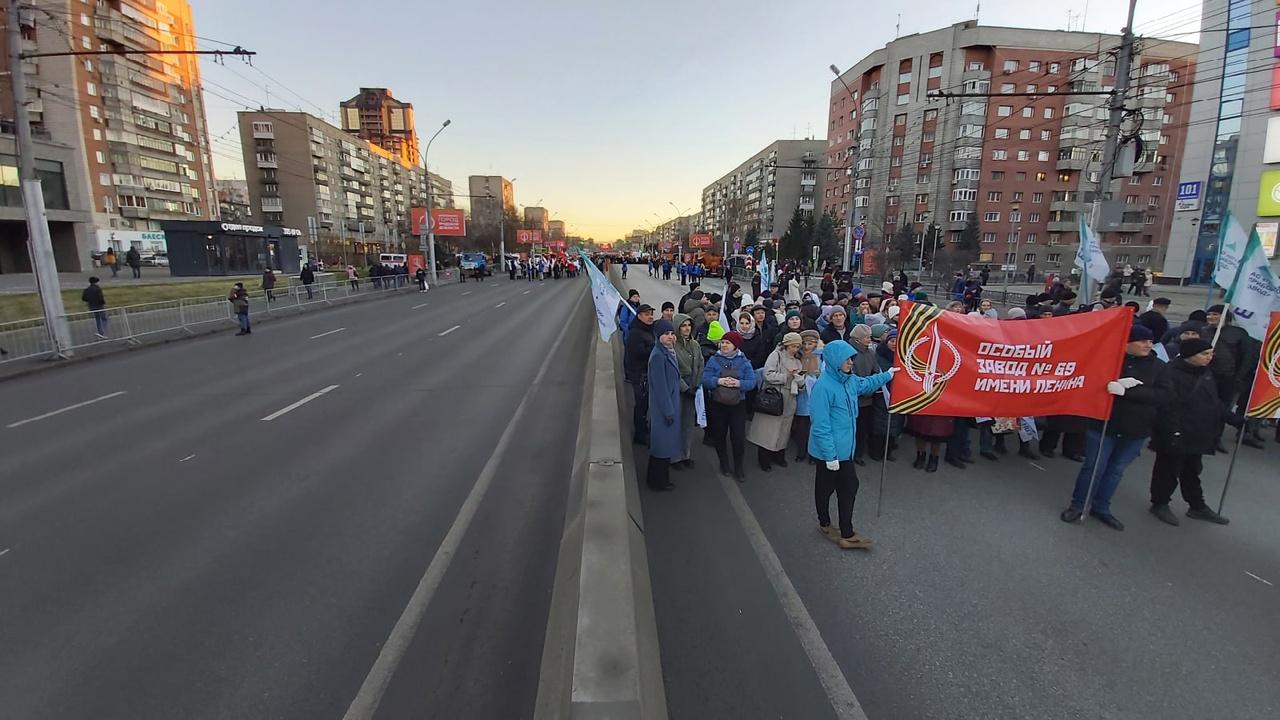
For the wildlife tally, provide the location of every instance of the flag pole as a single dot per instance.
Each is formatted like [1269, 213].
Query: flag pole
[1244, 428]
[884, 459]
[1093, 477]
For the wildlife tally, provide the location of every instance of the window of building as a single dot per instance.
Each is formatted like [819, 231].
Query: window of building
[101, 158]
[1046, 134]
[975, 65]
[964, 195]
[1004, 111]
[97, 134]
[927, 136]
[1037, 197]
[1055, 67]
[968, 174]
[930, 115]
[85, 43]
[922, 199]
[1017, 196]
[891, 201]
[959, 216]
[1024, 155]
[91, 89]
[899, 141]
[994, 196]
[895, 161]
[1149, 220]
[1001, 133]
[93, 112]
[1028, 111]
[1010, 66]
[1015, 216]
[1123, 258]
[968, 153]
[1064, 177]
[899, 120]
[991, 217]
[904, 99]
[988, 237]
[924, 179]
[1130, 199]
[1153, 201]
[1008, 88]
[1042, 156]
[1157, 181]
[925, 159]
[1033, 217]
[1126, 239]
[1024, 134]
[970, 131]
[999, 154]
[997, 175]
[1048, 113]
[1135, 180]
[1020, 177]
[1144, 259]
[1031, 88]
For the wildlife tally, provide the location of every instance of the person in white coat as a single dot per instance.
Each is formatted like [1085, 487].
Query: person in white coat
[770, 433]
[793, 289]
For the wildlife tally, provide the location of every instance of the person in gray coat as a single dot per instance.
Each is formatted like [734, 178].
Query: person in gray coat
[665, 439]
[689, 358]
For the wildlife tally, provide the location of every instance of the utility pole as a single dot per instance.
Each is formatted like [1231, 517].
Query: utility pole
[39, 243]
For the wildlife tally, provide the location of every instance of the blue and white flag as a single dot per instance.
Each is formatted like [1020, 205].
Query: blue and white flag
[764, 271]
[1089, 258]
[1232, 241]
[1254, 291]
[606, 299]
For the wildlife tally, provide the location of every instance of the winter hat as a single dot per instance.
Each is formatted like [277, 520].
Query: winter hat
[1216, 309]
[662, 327]
[791, 339]
[668, 305]
[811, 335]
[1016, 313]
[1138, 333]
[1162, 301]
[734, 337]
[1197, 316]
[892, 313]
[792, 313]
[878, 331]
[886, 286]
[922, 297]
[1193, 346]
[892, 334]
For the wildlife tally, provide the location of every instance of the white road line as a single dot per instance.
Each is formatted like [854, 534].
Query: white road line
[417, 307]
[467, 292]
[446, 332]
[1246, 572]
[187, 458]
[298, 404]
[366, 702]
[313, 337]
[526, 292]
[359, 374]
[504, 302]
[2, 552]
[1038, 467]
[59, 411]
[843, 701]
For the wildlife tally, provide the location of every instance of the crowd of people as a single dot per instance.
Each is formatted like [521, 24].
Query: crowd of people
[798, 372]
[541, 267]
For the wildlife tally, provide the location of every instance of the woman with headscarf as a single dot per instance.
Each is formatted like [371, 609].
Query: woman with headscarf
[769, 433]
[664, 407]
[810, 371]
[755, 345]
[838, 327]
[727, 378]
[690, 362]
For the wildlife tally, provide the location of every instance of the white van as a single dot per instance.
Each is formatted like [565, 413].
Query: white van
[393, 259]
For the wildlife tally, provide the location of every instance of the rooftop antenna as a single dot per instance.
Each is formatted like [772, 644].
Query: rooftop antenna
[1084, 14]
[977, 11]
[897, 27]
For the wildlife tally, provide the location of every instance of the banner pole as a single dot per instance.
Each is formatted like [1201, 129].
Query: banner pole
[1244, 428]
[1222, 320]
[884, 459]
[1097, 460]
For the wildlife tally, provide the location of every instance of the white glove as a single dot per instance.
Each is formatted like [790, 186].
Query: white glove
[833, 465]
[1129, 382]
[1115, 387]
[894, 370]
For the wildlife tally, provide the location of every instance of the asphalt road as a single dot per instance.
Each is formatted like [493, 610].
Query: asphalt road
[977, 602]
[169, 553]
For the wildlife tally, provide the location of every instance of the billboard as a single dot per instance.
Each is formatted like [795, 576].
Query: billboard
[1269, 194]
[700, 240]
[528, 237]
[445, 221]
[1188, 196]
[1267, 234]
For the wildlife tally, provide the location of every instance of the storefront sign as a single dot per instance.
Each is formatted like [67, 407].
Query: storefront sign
[1269, 194]
[1267, 232]
[1188, 196]
[237, 227]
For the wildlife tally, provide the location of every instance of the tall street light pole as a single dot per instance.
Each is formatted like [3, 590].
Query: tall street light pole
[848, 221]
[679, 241]
[431, 226]
[1017, 226]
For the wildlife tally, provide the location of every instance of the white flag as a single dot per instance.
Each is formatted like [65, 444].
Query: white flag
[1232, 241]
[764, 272]
[1089, 257]
[1255, 291]
[606, 299]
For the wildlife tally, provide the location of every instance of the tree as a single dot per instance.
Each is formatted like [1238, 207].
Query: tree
[824, 236]
[902, 248]
[796, 241]
[965, 252]
[753, 237]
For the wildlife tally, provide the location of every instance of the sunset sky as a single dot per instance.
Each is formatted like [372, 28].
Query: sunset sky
[604, 111]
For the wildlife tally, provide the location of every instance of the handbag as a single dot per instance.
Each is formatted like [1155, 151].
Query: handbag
[769, 401]
[726, 395]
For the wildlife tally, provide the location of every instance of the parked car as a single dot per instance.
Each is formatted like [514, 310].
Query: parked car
[156, 260]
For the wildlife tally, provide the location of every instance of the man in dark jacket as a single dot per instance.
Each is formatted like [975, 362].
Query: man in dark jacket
[864, 365]
[1186, 430]
[134, 260]
[97, 303]
[1141, 390]
[635, 364]
[1154, 318]
[1230, 357]
[308, 278]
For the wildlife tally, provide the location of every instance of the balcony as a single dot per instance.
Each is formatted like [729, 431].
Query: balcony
[1073, 163]
[135, 212]
[1064, 226]
[272, 204]
[969, 75]
[267, 161]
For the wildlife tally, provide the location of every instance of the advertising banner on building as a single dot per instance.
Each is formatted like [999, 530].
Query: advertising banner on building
[414, 263]
[701, 240]
[529, 237]
[1269, 194]
[1264, 400]
[418, 221]
[449, 222]
[966, 366]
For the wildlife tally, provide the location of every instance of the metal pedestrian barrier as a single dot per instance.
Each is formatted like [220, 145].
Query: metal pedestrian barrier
[25, 339]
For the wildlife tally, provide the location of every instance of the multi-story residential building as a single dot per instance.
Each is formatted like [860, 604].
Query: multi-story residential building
[764, 191]
[233, 200]
[303, 172]
[492, 197]
[1024, 166]
[376, 116]
[537, 218]
[556, 229]
[674, 233]
[1232, 158]
[129, 130]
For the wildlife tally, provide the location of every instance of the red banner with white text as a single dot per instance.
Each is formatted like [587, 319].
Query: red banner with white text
[1264, 400]
[966, 366]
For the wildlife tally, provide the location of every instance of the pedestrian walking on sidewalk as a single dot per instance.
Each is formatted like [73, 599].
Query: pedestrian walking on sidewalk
[421, 276]
[665, 437]
[112, 261]
[727, 378]
[97, 303]
[239, 299]
[134, 259]
[308, 278]
[833, 410]
[353, 277]
[269, 284]
[691, 362]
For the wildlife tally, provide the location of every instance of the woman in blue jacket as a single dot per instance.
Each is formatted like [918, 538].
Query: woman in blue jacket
[726, 379]
[833, 412]
[664, 407]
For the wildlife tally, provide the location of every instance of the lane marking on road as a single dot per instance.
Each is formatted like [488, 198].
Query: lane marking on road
[467, 292]
[313, 337]
[294, 406]
[446, 332]
[1246, 572]
[366, 702]
[68, 408]
[359, 374]
[4, 551]
[187, 458]
[843, 701]
[417, 307]
[504, 302]
[526, 292]
[1038, 467]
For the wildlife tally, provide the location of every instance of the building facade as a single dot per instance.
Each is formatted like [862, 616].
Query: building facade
[763, 192]
[134, 124]
[492, 197]
[303, 172]
[1023, 166]
[556, 229]
[537, 218]
[233, 200]
[375, 115]
[1232, 159]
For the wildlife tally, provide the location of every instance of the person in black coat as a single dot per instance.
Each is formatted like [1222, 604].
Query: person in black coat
[1154, 318]
[1186, 430]
[837, 326]
[1141, 390]
[635, 365]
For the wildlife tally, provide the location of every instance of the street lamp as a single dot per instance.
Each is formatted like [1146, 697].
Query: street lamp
[431, 230]
[848, 222]
[1016, 218]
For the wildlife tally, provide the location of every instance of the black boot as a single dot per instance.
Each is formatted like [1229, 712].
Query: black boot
[919, 463]
[1024, 449]
[762, 457]
[780, 458]
[932, 466]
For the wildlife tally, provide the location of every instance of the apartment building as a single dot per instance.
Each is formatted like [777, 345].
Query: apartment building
[1024, 166]
[303, 172]
[556, 229]
[674, 233]
[123, 138]
[233, 200]
[537, 218]
[763, 192]
[492, 197]
[375, 115]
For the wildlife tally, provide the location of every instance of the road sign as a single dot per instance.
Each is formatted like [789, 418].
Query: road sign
[1188, 196]
[859, 232]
